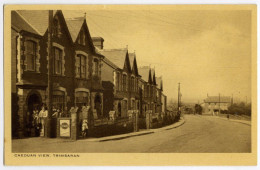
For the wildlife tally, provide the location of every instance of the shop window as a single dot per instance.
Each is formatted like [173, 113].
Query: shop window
[82, 98]
[59, 100]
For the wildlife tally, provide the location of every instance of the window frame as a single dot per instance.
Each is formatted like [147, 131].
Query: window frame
[59, 61]
[35, 44]
[95, 67]
[79, 74]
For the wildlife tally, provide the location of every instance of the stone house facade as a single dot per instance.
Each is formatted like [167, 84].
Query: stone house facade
[212, 104]
[76, 78]
[120, 82]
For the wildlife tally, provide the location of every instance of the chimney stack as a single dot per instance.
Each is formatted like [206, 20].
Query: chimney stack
[98, 42]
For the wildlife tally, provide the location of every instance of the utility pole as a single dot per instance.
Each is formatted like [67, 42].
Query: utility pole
[50, 69]
[179, 99]
[232, 101]
[219, 104]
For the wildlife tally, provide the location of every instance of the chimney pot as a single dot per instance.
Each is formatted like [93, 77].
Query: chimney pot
[98, 42]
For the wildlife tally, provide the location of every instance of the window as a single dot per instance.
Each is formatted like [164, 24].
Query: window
[95, 67]
[117, 81]
[81, 66]
[77, 66]
[132, 83]
[56, 27]
[81, 38]
[30, 55]
[82, 98]
[137, 86]
[57, 61]
[59, 100]
[124, 82]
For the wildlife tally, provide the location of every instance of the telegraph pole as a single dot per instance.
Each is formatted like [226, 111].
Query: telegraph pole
[179, 99]
[50, 69]
[219, 103]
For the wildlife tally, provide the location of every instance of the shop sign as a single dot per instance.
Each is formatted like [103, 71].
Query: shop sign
[65, 127]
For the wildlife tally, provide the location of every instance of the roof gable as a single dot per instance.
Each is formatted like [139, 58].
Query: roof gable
[116, 56]
[133, 63]
[127, 65]
[74, 26]
[153, 76]
[39, 20]
[20, 23]
[150, 80]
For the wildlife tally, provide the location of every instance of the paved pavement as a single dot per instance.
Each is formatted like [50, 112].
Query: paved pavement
[199, 134]
[141, 132]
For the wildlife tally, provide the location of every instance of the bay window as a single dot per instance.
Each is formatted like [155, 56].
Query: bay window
[31, 55]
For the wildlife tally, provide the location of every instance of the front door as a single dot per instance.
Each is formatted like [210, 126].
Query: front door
[98, 106]
[33, 106]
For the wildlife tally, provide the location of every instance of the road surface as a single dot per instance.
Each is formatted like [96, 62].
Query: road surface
[199, 134]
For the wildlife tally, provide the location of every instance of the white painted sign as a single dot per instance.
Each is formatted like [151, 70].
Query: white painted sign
[65, 128]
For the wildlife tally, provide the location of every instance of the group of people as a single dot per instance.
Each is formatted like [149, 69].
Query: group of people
[58, 112]
[36, 122]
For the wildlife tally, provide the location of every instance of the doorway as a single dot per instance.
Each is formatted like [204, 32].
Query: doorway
[119, 110]
[33, 104]
[98, 106]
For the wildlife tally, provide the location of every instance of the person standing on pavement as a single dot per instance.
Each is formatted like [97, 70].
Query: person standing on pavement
[85, 128]
[42, 116]
[36, 121]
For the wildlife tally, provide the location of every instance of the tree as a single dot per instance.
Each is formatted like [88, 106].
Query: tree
[240, 109]
[198, 109]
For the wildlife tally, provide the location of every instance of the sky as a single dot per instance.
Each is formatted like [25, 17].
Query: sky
[207, 51]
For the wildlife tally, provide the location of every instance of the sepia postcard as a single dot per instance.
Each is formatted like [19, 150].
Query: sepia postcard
[130, 85]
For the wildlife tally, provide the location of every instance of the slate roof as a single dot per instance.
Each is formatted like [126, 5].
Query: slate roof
[110, 63]
[20, 23]
[144, 72]
[215, 99]
[38, 19]
[74, 26]
[116, 56]
[131, 59]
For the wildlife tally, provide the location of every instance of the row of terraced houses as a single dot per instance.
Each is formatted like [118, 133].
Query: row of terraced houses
[84, 72]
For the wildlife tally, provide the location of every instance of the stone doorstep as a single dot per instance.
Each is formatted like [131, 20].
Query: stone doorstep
[144, 132]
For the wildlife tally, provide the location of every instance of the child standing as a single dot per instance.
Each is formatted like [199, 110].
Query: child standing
[84, 128]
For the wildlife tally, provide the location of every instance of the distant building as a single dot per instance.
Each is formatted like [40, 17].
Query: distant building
[212, 104]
